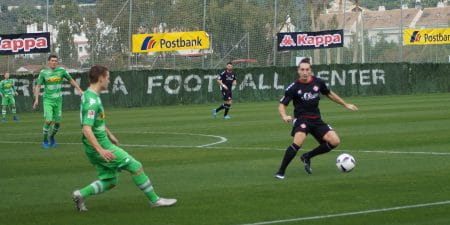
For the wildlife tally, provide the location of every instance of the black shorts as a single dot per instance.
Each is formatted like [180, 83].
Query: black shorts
[315, 127]
[227, 95]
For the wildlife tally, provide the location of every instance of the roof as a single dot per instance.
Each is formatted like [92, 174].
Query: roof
[350, 19]
[388, 18]
[30, 69]
[435, 17]
[36, 68]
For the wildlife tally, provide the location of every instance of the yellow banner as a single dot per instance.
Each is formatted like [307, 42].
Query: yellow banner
[436, 36]
[170, 41]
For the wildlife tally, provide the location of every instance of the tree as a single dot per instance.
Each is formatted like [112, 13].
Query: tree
[68, 21]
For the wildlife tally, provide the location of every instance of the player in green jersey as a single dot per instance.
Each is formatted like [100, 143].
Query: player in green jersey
[100, 146]
[8, 91]
[52, 78]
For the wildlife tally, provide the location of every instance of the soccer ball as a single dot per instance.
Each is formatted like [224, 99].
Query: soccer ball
[345, 162]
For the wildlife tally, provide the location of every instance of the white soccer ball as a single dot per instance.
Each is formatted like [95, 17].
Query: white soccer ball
[345, 162]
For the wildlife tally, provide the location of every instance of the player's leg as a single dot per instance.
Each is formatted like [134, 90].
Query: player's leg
[57, 113]
[95, 188]
[299, 132]
[143, 182]
[139, 177]
[108, 179]
[227, 107]
[215, 111]
[4, 108]
[328, 140]
[12, 103]
[48, 116]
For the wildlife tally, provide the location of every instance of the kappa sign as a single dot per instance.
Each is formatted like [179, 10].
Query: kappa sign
[24, 43]
[310, 40]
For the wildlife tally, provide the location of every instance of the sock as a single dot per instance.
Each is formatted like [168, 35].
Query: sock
[290, 153]
[55, 129]
[227, 108]
[45, 131]
[13, 111]
[143, 182]
[220, 107]
[321, 149]
[98, 187]
[4, 112]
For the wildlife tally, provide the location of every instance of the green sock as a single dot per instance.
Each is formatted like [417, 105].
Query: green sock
[14, 111]
[141, 180]
[55, 129]
[98, 187]
[45, 131]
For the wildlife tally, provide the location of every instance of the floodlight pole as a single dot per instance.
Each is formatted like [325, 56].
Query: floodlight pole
[129, 33]
[343, 27]
[204, 29]
[275, 33]
[401, 30]
[46, 25]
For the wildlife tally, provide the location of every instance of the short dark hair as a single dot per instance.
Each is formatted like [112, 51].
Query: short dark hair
[95, 72]
[229, 63]
[51, 56]
[305, 60]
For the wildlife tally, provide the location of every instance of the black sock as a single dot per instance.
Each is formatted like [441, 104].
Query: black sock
[227, 108]
[290, 153]
[321, 149]
[220, 107]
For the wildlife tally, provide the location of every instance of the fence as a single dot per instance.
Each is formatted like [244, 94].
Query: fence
[87, 32]
[195, 86]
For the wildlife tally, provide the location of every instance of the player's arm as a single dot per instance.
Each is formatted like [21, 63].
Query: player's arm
[335, 98]
[284, 116]
[222, 85]
[284, 102]
[76, 86]
[106, 155]
[219, 81]
[111, 137]
[14, 89]
[37, 90]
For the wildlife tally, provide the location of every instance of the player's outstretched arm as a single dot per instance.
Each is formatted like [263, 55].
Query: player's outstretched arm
[335, 98]
[75, 85]
[106, 155]
[37, 89]
[284, 116]
[111, 137]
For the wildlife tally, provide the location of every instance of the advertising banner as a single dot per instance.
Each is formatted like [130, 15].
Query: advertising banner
[437, 36]
[24, 43]
[170, 41]
[310, 40]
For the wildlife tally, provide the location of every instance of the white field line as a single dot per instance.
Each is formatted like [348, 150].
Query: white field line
[220, 139]
[351, 213]
[208, 146]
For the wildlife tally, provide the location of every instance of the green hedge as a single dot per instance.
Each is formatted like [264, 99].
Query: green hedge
[169, 87]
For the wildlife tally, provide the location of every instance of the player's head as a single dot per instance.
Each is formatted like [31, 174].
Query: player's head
[229, 66]
[304, 69]
[6, 75]
[52, 61]
[99, 75]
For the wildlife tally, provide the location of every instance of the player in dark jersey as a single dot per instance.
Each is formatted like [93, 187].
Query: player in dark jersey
[226, 80]
[305, 94]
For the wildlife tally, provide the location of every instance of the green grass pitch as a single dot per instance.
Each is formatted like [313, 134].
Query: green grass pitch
[232, 182]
